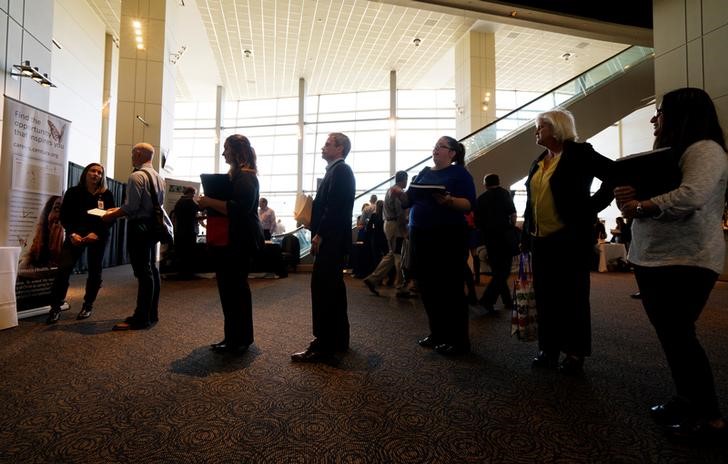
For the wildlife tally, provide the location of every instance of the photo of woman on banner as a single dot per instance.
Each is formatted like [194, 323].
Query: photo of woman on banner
[47, 241]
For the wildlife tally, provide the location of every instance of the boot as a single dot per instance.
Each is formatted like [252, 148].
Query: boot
[54, 315]
[85, 311]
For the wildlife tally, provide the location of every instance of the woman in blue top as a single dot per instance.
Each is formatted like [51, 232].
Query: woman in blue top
[438, 245]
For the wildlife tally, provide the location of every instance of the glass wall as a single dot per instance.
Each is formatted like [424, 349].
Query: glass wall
[271, 125]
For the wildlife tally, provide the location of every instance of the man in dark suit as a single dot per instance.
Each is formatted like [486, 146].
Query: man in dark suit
[495, 217]
[330, 243]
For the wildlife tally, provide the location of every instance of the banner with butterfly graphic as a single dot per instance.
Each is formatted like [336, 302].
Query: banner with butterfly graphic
[33, 176]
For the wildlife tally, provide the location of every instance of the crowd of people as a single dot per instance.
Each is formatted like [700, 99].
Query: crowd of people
[677, 245]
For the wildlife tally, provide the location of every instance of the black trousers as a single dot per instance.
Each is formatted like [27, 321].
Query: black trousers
[500, 260]
[328, 297]
[184, 247]
[69, 257]
[561, 281]
[143, 258]
[438, 257]
[237, 304]
[674, 297]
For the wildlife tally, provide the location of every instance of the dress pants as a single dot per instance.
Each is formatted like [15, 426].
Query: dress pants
[69, 257]
[501, 261]
[438, 257]
[143, 257]
[673, 298]
[328, 297]
[561, 281]
[235, 297]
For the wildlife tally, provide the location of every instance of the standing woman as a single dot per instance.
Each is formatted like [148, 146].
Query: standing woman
[245, 237]
[678, 250]
[558, 222]
[83, 231]
[439, 247]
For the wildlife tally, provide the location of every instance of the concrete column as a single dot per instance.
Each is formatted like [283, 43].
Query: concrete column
[392, 122]
[146, 81]
[301, 132]
[219, 144]
[108, 111]
[474, 82]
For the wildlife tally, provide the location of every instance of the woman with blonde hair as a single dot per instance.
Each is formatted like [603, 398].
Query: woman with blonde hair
[558, 220]
[84, 231]
[245, 237]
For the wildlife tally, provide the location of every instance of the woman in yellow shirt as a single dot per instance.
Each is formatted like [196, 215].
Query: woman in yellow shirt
[558, 221]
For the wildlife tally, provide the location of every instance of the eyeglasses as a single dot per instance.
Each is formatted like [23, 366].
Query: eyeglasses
[437, 147]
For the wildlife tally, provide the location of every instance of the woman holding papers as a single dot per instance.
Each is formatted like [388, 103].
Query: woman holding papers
[678, 251]
[438, 247]
[84, 230]
[558, 223]
[244, 238]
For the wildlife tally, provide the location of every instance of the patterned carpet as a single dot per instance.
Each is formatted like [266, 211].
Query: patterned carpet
[77, 392]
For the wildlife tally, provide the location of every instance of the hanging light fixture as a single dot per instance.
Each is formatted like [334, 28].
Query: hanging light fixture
[26, 70]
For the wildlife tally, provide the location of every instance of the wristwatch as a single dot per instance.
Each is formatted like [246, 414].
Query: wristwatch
[639, 209]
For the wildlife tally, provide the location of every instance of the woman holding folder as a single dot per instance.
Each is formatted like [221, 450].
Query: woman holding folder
[83, 231]
[439, 197]
[244, 238]
[678, 250]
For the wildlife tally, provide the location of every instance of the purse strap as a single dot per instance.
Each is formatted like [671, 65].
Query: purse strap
[155, 200]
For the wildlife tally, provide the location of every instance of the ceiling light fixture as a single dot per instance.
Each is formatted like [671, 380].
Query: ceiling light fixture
[174, 57]
[247, 53]
[417, 42]
[26, 70]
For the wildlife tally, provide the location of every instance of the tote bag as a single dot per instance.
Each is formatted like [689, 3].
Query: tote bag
[303, 209]
[523, 316]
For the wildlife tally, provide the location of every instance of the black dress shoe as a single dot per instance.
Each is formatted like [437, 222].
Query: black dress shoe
[451, 350]
[572, 365]
[428, 342]
[698, 433]
[312, 356]
[675, 411]
[636, 295]
[224, 347]
[372, 288]
[545, 360]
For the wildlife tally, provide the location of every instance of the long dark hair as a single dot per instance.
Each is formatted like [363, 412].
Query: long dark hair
[244, 153]
[101, 187]
[688, 115]
[457, 147]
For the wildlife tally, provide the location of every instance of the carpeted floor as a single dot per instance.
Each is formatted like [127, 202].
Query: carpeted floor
[78, 392]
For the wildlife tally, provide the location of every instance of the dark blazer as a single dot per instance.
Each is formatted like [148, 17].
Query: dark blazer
[332, 208]
[570, 185]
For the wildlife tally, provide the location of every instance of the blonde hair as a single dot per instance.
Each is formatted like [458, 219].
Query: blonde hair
[562, 121]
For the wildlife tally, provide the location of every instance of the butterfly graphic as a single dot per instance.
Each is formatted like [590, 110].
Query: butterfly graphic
[55, 133]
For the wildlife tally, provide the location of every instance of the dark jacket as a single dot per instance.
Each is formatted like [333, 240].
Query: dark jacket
[74, 216]
[332, 208]
[570, 185]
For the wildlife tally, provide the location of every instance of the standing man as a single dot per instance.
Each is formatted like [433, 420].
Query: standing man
[330, 243]
[139, 210]
[495, 217]
[395, 229]
[267, 218]
[186, 229]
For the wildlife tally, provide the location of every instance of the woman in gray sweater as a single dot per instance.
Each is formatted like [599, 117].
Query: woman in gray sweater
[678, 250]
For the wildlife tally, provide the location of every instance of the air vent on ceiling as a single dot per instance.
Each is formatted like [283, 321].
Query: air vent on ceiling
[582, 45]
[513, 35]
[430, 22]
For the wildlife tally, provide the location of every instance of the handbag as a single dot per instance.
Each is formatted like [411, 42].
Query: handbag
[523, 317]
[303, 209]
[161, 229]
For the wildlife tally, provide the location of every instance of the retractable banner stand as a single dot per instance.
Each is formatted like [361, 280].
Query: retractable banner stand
[33, 177]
